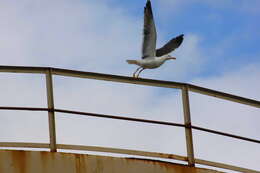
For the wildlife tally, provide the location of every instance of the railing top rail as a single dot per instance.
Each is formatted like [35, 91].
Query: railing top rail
[125, 79]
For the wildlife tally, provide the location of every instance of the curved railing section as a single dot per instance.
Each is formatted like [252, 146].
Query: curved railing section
[184, 87]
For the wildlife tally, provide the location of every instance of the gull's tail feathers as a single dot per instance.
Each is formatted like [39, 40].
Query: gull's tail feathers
[131, 62]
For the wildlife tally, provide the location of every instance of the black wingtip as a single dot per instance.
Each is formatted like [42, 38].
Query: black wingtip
[179, 39]
[148, 9]
[148, 4]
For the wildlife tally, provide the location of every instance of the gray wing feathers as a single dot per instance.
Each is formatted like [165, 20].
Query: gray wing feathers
[149, 32]
[170, 46]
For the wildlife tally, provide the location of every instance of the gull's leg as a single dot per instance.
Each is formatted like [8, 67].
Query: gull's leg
[136, 71]
[139, 72]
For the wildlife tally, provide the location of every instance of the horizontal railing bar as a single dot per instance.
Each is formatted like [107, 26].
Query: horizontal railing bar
[23, 108]
[23, 69]
[131, 119]
[24, 145]
[116, 78]
[153, 154]
[122, 151]
[225, 134]
[125, 79]
[225, 96]
[225, 166]
[119, 118]
[128, 152]
[94, 115]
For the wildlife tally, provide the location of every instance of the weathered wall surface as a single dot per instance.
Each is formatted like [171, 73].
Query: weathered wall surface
[47, 162]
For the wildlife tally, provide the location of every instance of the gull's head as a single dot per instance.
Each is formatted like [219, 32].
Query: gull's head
[168, 57]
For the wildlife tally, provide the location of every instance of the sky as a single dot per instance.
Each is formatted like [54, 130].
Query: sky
[220, 51]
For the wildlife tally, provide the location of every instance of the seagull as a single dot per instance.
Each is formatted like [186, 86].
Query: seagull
[152, 57]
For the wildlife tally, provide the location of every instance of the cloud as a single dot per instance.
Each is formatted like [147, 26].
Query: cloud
[66, 34]
[242, 81]
[89, 36]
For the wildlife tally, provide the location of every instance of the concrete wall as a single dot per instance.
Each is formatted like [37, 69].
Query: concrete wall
[47, 162]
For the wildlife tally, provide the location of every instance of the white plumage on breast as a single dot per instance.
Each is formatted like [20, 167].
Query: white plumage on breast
[151, 62]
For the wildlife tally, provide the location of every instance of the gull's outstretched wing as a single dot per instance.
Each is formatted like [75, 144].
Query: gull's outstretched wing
[149, 32]
[170, 46]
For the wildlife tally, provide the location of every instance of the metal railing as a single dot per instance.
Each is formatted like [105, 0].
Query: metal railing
[185, 88]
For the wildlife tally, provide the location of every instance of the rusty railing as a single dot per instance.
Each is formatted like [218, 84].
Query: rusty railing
[185, 89]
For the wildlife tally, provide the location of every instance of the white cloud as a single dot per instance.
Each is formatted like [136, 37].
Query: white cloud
[241, 82]
[66, 34]
[89, 36]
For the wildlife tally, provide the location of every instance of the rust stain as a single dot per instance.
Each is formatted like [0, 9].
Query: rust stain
[83, 163]
[19, 161]
[77, 158]
[99, 166]
[80, 161]
[44, 158]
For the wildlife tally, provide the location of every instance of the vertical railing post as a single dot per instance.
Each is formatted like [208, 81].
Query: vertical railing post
[187, 121]
[50, 100]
